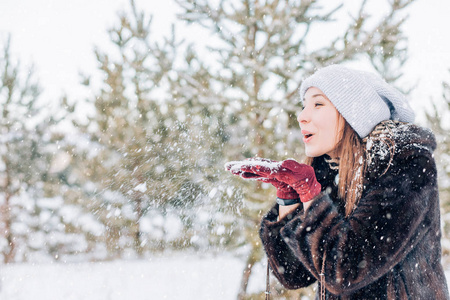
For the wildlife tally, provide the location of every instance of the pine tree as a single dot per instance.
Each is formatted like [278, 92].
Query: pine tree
[146, 142]
[438, 123]
[29, 217]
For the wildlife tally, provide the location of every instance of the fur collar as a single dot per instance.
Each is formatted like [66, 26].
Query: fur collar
[391, 138]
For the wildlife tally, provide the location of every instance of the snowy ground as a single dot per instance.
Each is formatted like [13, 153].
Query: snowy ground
[185, 277]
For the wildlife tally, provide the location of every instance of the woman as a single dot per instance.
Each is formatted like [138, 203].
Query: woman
[361, 217]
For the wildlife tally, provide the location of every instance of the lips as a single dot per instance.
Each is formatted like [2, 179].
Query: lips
[307, 139]
[307, 136]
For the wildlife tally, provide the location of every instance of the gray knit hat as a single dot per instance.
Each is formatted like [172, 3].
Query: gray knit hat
[363, 99]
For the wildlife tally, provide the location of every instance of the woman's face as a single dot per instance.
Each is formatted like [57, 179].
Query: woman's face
[319, 122]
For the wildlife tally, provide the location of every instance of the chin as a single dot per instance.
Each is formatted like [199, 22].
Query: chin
[312, 153]
[316, 151]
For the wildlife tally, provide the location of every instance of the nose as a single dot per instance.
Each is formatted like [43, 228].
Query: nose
[303, 117]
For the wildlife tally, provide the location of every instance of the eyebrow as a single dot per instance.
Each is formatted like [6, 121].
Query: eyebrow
[317, 95]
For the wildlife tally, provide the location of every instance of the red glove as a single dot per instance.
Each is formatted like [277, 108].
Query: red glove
[301, 177]
[284, 191]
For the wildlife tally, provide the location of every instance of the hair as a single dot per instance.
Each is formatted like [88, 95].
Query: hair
[352, 165]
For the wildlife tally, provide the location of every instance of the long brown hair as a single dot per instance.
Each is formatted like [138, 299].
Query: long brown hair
[352, 166]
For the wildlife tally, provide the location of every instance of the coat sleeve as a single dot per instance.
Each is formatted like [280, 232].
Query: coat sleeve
[390, 219]
[285, 265]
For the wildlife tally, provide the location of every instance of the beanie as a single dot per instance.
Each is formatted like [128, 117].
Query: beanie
[362, 98]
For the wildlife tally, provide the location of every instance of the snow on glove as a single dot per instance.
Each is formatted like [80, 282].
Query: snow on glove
[284, 191]
[301, 177]
[236, 167]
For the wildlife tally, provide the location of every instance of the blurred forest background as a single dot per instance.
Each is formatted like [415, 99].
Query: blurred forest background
[137, 168]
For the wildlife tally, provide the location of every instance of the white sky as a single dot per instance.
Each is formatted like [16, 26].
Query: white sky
[59, 37]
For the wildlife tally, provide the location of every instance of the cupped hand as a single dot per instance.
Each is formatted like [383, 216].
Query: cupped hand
[300, 177]
[284, 191]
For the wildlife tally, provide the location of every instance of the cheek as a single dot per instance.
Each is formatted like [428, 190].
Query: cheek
[330, 130]
[331, 140]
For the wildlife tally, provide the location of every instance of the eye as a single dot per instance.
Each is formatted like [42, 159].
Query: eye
[318, 104]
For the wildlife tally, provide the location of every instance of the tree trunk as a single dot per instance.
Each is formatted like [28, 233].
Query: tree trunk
[10, 254]
[251, 260]
[137, 232]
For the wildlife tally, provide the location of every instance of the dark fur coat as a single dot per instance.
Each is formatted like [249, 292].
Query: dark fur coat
[389, 247]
